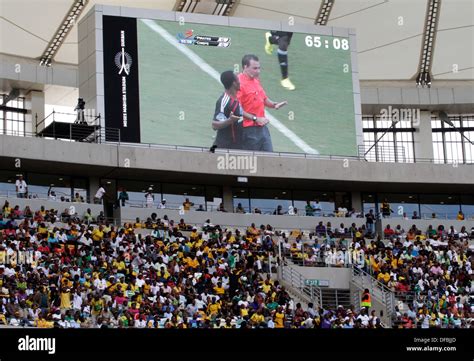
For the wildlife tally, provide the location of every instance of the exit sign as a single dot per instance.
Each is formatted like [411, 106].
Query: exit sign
[317, 283]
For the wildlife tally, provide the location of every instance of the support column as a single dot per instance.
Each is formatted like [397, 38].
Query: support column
[227, 198]
[356, 198]
[35, 104]
[422, 137]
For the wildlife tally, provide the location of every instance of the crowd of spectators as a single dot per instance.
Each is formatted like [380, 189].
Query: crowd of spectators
[77, 274]
[430, 272]
[161, 273]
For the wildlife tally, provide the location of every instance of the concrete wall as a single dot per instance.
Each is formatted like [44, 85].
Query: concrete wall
[423, 137]
[338, 277]
[35, 102]
[452, 97]
[237, 220]
[29, 71]
[268, 165]
[91, 66]
[35, 205]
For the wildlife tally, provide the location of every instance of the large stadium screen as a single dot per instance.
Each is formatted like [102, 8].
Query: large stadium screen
[229, 87]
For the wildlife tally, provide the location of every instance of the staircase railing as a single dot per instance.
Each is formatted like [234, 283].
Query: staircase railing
[363, 280]
[298, 284]
[332, 298]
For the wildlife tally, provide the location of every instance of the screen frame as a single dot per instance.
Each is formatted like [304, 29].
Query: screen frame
[91, 38]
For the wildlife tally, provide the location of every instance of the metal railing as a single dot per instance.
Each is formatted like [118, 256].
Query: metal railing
[363, 280]
[380, 153]
[214, 208]
[296, 281]
[429, 216]
[72, 134]
[111, 136]
[333, 297]
[44, 196]
[54, 116]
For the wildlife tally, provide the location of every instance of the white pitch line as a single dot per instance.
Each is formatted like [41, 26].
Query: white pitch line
[201, 63]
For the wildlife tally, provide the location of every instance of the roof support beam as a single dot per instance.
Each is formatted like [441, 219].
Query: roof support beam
[66, 25]
[423, 78]
[324, 12]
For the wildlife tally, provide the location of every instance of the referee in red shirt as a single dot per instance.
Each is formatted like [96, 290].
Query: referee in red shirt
[253, 100]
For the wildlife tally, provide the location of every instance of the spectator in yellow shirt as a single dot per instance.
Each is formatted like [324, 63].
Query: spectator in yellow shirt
[219, 289]
[98, 234]
[257, 317]
[187, 204]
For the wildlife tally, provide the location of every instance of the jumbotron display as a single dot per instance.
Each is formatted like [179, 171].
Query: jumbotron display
[228, 87]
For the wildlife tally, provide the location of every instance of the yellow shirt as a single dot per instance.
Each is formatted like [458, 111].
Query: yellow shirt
[97, 235]
[219, 290]
[213, 308]
[44, 324]
[119, 265]
[65, 300]
[279, 318]
[146, 288]
[257, 318]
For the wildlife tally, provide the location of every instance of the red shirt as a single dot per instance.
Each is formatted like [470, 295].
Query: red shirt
[252, 98]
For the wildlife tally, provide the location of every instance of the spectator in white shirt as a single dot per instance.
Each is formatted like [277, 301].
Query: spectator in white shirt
[100, 283]
[317, 207]
[99, 195]
[150, 198]
[21, 187]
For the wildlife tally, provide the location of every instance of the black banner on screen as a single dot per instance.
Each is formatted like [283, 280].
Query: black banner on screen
[122, 110]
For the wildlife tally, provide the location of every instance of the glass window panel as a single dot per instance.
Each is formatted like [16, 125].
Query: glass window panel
[267, 200]
[40, 184]
[456, 122]
[367, 123]
[175, 195]
[214, 198]
[326, 201]
[467, 206]
[401, 203]
[7, 184]
[241, 195]
[444, 206]
[80, 187]
[368, 203]
[136, 191]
